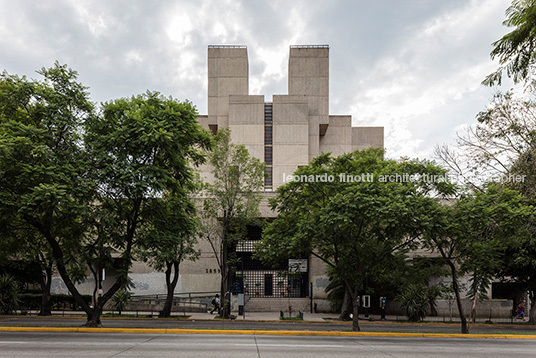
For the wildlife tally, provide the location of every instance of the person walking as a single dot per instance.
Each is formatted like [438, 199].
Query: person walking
[520, 313]
[216, 304]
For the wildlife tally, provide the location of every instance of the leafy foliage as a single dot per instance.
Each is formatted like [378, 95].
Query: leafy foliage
[121, 299]
[231, 201]
[88, 182]
[470, 236]
[516, 50]
[170, 239]
[9, 294]
[414, 299]
[498, 147]
[359, 228]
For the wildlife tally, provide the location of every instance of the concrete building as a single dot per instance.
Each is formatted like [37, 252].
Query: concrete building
[285, 134]
[292, 129]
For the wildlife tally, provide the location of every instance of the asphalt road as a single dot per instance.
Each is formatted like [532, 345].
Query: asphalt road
[376, 326]
[32, 344]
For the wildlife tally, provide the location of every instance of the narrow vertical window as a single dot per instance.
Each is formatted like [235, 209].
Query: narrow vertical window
[268, 146]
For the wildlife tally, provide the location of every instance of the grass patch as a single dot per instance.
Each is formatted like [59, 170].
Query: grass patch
[129, 315]
[290, 319]
[123, 315]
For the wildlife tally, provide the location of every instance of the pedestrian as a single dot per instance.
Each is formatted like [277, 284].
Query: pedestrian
[520, 313]
[216, 304]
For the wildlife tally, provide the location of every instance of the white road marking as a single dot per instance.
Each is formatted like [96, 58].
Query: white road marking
[294, 345]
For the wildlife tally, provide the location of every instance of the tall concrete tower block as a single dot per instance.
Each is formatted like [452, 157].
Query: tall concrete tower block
[308, 74]
[228, 74]
[293, 128]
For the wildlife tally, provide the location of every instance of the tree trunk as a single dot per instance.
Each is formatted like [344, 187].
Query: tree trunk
[94, 316]
[532, 313]
[45, 282]
[355, 312]
[171, 284]
[94, 320]
[456, 289]
[346, 307]
[225, 305]
[62, 270]
[433, 309]
[225, 308]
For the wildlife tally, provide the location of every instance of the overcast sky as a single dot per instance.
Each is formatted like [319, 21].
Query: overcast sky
[412, 66]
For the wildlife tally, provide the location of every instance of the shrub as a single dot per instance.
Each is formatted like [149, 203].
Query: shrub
[414, 299]
[58, 301]
[9, 294]
[120, 299]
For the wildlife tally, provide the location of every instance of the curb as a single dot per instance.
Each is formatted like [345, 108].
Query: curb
[262, 332]
[361, 321]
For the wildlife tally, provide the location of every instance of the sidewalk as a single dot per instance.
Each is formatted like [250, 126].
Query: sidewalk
[274, 317]
[264, 323]
[269, 316]
[334, 317]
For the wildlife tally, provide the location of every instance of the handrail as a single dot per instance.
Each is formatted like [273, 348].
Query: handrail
[180, 294]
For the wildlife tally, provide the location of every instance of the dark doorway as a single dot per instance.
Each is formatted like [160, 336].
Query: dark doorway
[268, 284]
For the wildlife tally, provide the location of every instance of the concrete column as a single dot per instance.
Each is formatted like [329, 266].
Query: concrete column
[309, 76]
[228, 74]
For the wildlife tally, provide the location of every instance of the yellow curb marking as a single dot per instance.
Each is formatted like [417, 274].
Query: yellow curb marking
[261, 332]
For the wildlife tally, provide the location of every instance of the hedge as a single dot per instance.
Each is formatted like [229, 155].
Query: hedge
[58, 302]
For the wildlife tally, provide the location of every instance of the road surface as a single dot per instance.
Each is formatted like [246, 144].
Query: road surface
[33, 344]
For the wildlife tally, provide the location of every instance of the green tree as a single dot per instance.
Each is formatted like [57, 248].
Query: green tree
[519, 260]
[143, 148]
[501, 148]
[84, 181]
[231, 201]
[170, 240]
[516, 50]
[469, 236]
[27, 251]
[43, 184]
[358, 227]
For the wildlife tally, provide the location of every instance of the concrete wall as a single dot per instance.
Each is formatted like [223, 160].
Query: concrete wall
[246, 122]
[319, 277]
[277, 304]
[367, 137]
[338, 136]
[308, 74]
[290, 135]
[228, 74]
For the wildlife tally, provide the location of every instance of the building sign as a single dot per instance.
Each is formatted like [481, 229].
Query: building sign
[297, 265]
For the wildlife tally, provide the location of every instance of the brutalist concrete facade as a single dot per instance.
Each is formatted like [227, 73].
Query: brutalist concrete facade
[302, 127]
[285, 133]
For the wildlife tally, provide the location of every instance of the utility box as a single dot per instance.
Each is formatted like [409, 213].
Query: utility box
[366, 301]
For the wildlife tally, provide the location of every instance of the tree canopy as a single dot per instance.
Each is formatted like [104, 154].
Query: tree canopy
[231, 200]
[86, 180]
[359, 220]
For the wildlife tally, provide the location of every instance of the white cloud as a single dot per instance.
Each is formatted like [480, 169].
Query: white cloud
[440, 63]
[414, 67]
